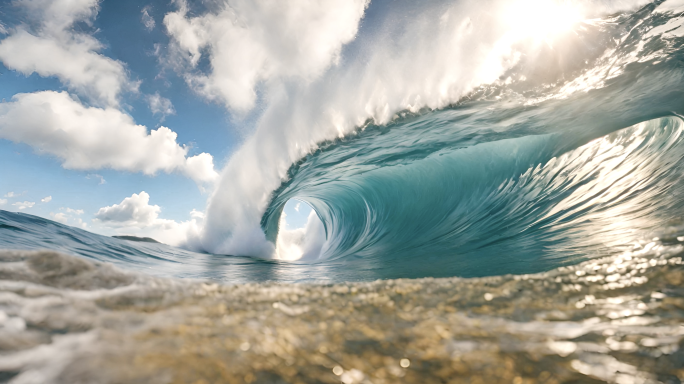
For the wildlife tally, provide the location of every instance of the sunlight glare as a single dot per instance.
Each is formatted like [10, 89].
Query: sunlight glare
[542, 18]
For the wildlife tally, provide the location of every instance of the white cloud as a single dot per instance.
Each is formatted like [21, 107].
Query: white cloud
[46, 200]
[200, 168]
[3, 29]
[11, 194]
[59, 217]
[24, 204]
[57, 15]
[146, 19]
[135, 216]
[82, 70]
[3, 201]
[73, 56]
[57, 123]
[67, 217]
[252, 42]
[73, 211]
[133, 211]
[160, 105]
[96, 176]
[94, 138]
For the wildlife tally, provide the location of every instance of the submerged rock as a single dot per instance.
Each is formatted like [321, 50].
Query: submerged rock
[618, 319]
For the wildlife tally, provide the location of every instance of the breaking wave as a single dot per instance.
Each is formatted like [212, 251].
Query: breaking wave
[539, 168]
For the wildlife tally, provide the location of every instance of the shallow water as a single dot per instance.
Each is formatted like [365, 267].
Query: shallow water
[617, 319]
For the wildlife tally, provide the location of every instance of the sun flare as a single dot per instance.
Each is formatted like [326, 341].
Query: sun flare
[542, 19]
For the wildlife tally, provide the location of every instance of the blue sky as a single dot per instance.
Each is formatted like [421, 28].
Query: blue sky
[41, 179]
[205, 126]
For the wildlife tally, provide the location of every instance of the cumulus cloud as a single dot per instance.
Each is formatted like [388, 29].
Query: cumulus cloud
[69, 216]
[146, 19]
[160, 105]
[73, 211]
[59, 217]
[135, 215]
[11, 194]
[73, 56]
[252, 42]
[86, 138]
[97, 177]
[134, 211]
[59, 124]
[3, 201]
[24, 204]
[46, 200]
[200, 168]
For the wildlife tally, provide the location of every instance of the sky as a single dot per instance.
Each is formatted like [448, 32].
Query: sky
[112, 61]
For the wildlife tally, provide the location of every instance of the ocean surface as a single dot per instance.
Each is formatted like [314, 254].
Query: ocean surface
[542, 216]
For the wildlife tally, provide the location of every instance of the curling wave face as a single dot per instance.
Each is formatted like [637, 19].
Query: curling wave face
[460, 212]
[523, 175]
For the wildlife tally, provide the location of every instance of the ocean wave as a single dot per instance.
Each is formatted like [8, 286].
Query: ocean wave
[458, 211]
[402, 150]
